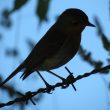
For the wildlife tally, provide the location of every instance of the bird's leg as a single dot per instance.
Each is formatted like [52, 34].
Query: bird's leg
[63, 79]
[49, 88]
[42, 78]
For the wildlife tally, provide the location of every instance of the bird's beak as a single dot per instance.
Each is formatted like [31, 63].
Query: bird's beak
[90, 24]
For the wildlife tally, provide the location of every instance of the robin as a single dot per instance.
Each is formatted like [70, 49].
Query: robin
[57, 47]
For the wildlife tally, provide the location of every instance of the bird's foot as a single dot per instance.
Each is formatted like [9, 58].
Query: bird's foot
[49, 88]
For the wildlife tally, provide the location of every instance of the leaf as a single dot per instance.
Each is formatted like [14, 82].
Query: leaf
[104, 39]
[109, 85]
[12, 52]
[108, 60]
[5, 13]
[5, 19]
[7, 23]
[18, 4]
[42, 9]
[30, 43]
[1, 37]
[106, 42]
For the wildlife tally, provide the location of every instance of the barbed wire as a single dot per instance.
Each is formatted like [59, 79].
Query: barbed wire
[70, 80]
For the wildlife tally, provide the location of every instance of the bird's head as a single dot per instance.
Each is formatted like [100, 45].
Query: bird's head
[73, 20]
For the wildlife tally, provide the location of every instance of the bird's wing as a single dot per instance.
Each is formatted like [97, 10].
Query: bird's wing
[45, 48]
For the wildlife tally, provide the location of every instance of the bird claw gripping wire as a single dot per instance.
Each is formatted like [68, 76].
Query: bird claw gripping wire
[49, 88]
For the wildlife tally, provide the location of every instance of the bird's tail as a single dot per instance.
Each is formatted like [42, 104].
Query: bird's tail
[18, 69]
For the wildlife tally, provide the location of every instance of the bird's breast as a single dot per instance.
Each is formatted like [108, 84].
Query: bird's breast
[63, 55]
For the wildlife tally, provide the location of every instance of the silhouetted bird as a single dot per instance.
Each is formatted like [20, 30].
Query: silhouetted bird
[57, 46]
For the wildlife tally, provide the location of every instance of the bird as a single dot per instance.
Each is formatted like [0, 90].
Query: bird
[57, 47]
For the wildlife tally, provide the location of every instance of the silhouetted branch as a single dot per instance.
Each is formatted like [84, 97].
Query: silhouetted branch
[68, 81]
[87, 56]
[12, 92]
